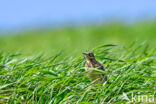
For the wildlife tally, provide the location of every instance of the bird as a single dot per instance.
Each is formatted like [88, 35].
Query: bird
[94, 75]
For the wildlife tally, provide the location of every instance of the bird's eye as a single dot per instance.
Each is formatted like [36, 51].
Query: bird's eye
[90, 54]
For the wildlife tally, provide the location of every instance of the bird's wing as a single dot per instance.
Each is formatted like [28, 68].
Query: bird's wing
[103, 77]
[100, 66]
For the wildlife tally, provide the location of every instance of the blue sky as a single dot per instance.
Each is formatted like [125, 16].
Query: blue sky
[20, 13]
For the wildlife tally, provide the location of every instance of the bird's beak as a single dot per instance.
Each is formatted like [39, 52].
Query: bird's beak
[84, 53]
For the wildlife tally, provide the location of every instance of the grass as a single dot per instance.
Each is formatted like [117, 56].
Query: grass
[75, 40]
[59, 78]
[41, 80]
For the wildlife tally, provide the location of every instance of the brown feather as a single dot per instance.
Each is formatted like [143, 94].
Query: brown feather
[91, 62]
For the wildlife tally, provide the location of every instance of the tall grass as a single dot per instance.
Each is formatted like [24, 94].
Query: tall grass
[46, 80]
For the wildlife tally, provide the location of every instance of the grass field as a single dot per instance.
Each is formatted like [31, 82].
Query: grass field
[47, 66]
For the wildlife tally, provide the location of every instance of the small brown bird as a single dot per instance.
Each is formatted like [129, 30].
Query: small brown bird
[94, 75]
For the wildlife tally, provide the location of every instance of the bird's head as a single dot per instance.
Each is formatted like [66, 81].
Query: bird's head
[89, 55]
